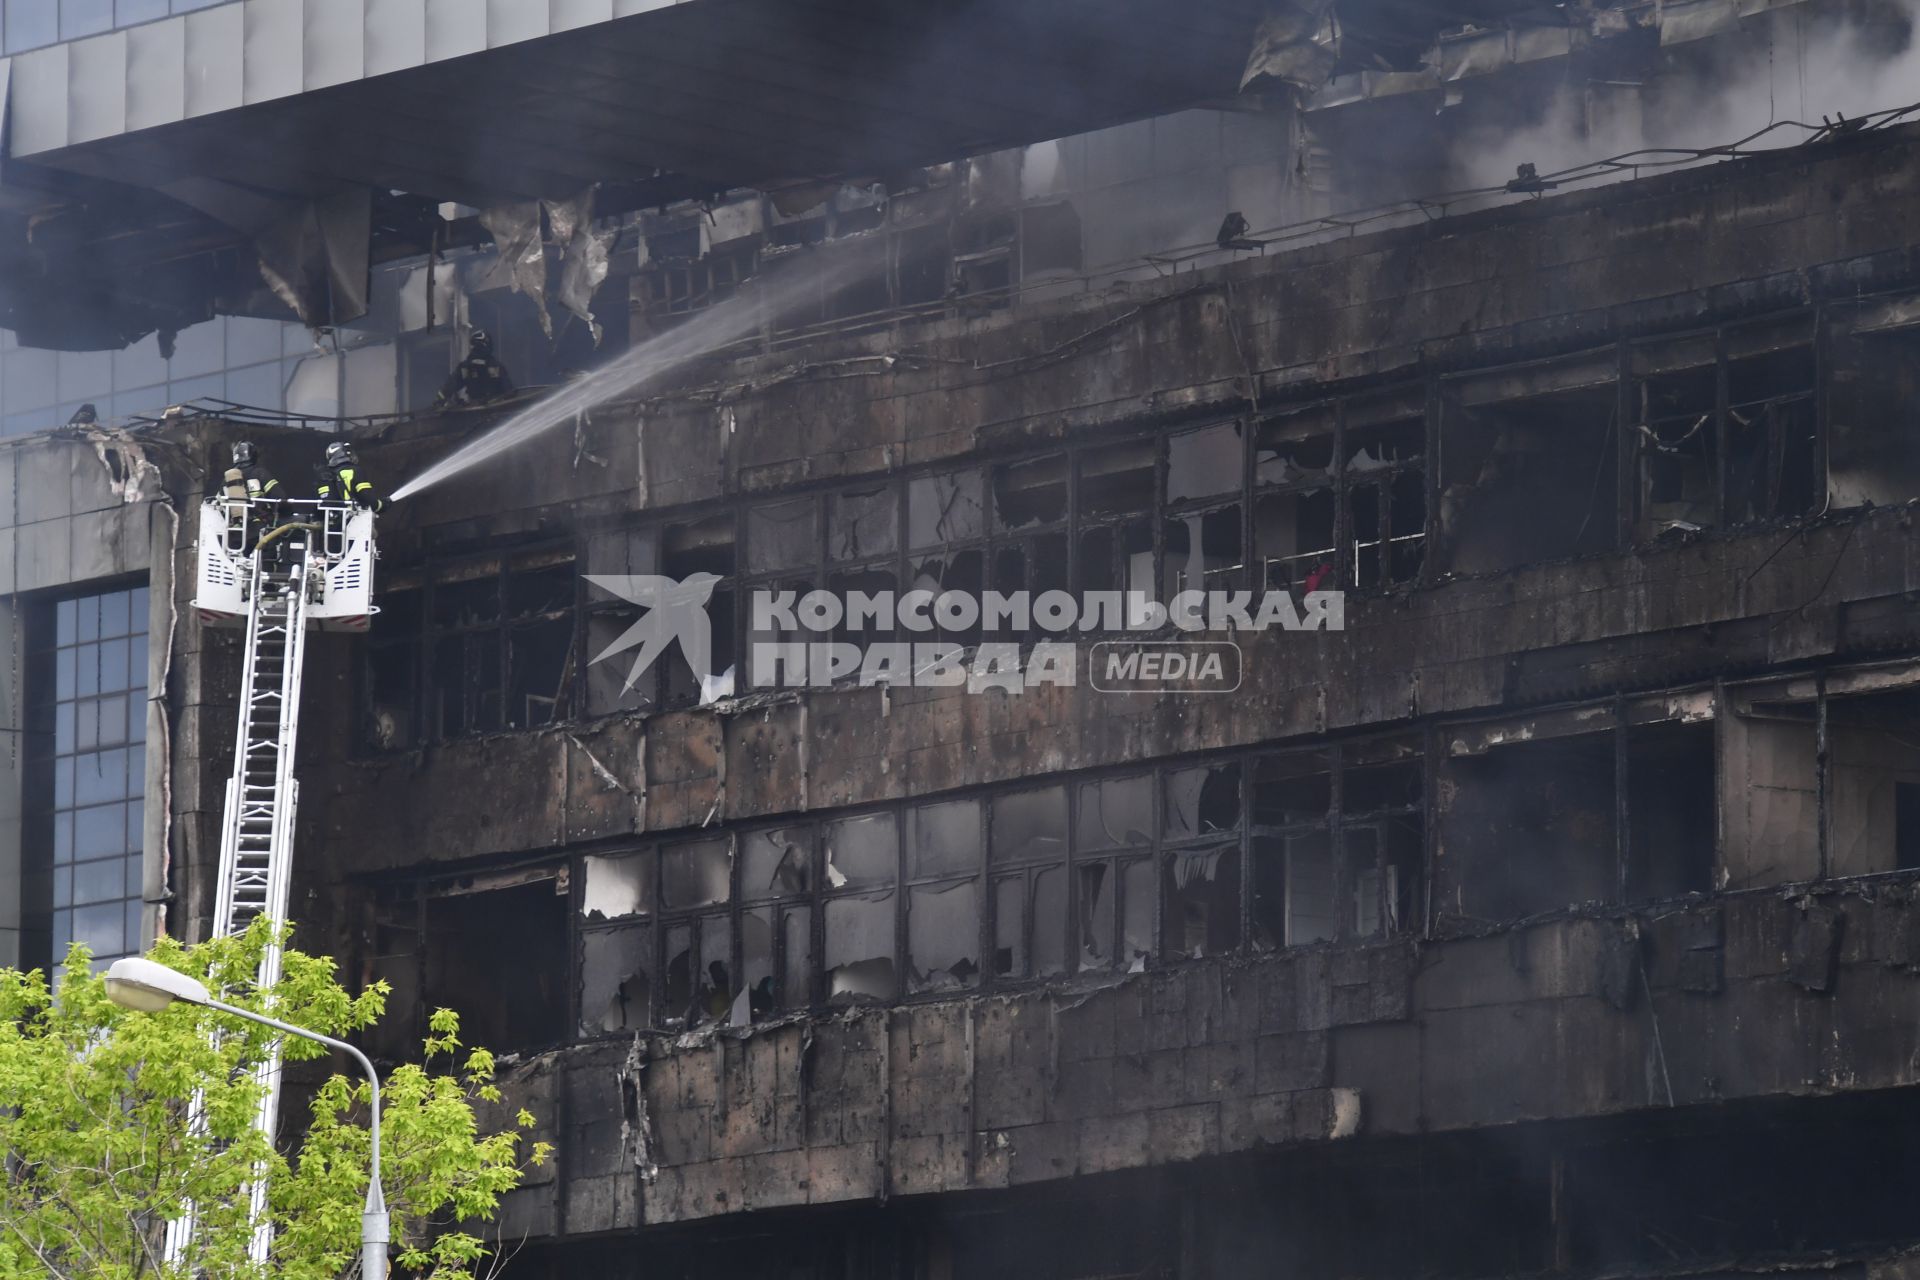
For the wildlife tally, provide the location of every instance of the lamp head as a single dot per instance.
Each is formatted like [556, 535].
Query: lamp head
[146, 986]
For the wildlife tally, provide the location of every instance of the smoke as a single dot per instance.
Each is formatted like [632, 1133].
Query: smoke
[1791, 68]
[760, 303]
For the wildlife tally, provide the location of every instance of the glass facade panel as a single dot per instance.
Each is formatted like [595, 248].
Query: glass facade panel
[83, 801]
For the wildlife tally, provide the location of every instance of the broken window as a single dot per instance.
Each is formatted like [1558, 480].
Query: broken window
[944, 855]
[1772, 439]
[1049, 241]
[921, 270]
[616, 553]
[1728, 427]
[1117, 499]
[1346, 870]
[499, 643]
[509, 998]
[1029, 513]
[706, 547]
[1873, 403]
[944, 509]
[1671, 811]
[862, 869]
[617, 962]
[1113, 872]
[776, 884]
[1383, 478]
[699, 983]
[1028, 840]
[1676, 435]
[391, 677]
[1202, 882]
[863, 525]
[1873, 760]
[1531, 464]
[1527, 815]
[1293, 512]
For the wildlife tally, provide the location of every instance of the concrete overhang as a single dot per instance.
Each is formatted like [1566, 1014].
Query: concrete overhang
[488, 101]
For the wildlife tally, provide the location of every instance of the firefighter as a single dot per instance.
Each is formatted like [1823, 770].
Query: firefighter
[247, 481]
[342, 481]
[477, 379]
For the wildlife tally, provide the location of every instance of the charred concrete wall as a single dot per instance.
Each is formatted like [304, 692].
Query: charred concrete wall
[1752, 996]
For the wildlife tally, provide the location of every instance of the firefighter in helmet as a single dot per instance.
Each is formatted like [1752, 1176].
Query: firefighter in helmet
[342, 480]
[477, 379]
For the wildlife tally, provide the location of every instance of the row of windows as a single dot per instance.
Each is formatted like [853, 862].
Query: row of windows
[1659, 438]
[1644, 798]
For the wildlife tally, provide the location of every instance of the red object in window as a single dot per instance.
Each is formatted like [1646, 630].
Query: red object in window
[1318, 576]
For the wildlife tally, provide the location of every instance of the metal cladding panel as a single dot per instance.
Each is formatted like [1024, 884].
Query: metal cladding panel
[272, 59]
[511, 21]
[215, 49]
[455, 28]
[39, 100]
[628, 8]
[568, 14]
[97, 87]
[396, 35]
[334, 41]
[156, 74]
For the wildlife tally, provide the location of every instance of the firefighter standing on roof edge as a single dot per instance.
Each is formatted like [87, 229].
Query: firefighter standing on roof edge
[477, 379]
[341, 480]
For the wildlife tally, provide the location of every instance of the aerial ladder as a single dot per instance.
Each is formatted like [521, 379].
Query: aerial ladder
[276, 568]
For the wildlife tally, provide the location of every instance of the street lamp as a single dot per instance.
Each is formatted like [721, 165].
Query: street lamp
[148, 987]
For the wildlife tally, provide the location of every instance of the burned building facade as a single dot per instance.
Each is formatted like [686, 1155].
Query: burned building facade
[1555, 915]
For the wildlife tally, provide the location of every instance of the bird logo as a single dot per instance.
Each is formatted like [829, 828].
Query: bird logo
[676, 610]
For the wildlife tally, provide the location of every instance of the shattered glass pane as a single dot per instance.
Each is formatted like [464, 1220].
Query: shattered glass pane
[1293, 787]
[756, 964]
[1010, 958]
[1361, 846]
[796, 985]
[1370, 788]
[1293, 539]
[677, 998]
[1115, 813]
[1096, 881]
[776, 863]
[859, 942]
[1029, 494]
[1293, 889]
[1136, 928]
[716, 969]
[1118, 479]
[1029, 825]
[620, 885]
[782, 535]
[1372, 448]
[943, 936]
[1203, 900]
[944, 839]
[1050, 922]
[616, 993]
[696, 874]
[1202, 800]
[1296, 449]
[862, 851]
[860, 524]
[945, 508]
[1205, 463]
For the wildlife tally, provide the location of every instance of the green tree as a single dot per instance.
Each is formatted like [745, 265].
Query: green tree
[100, 1151]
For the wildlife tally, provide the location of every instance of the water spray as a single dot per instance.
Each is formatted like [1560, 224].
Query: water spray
[721, 325]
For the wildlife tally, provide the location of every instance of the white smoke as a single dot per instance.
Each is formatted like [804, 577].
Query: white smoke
[1821, 58]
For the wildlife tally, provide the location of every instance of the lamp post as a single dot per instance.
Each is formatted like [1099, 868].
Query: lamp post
[148, 987]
